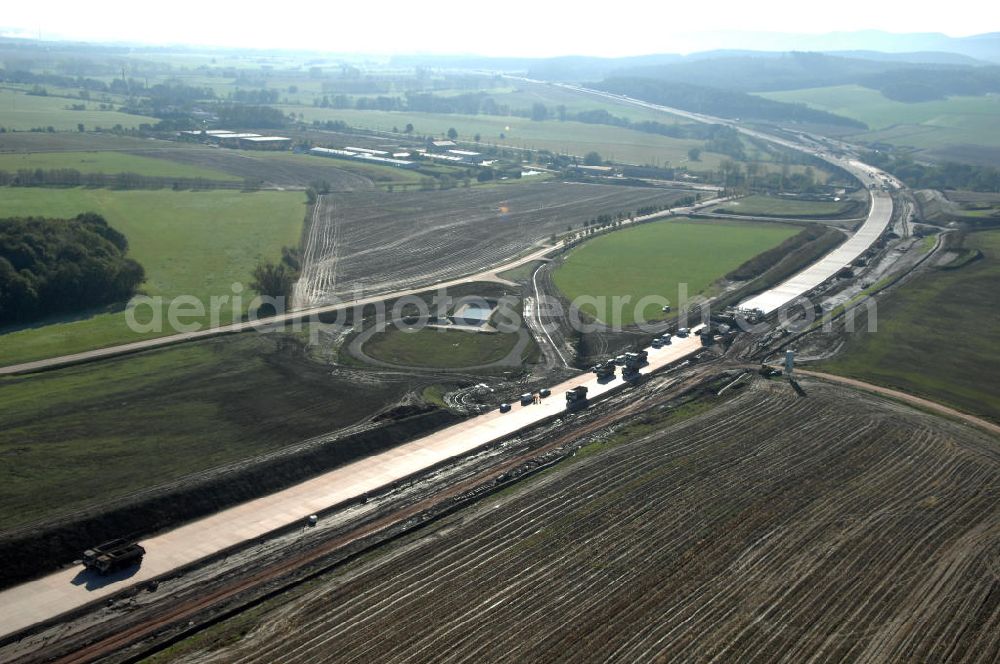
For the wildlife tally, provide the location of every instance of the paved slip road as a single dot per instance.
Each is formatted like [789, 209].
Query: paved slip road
[50, 596]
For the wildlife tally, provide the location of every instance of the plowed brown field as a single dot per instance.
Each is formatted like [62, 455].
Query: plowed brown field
[774, 528]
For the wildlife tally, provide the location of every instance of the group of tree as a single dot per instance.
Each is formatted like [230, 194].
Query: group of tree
[240, 116]
[256, 96]
[947, 175]
[276, 280]
[925, 84]
[70, 177]
[898, 79]
[58, 266]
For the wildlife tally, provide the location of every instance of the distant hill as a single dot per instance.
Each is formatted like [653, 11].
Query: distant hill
[896, 78]
[981, 47]
[917, 58]
[724, 103]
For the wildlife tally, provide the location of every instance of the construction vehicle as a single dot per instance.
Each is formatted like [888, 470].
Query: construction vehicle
[606, 370]
[577, 397]
[707, 336]
[113, 556]
[636, 360]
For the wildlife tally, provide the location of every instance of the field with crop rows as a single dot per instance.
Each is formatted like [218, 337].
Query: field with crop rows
[832, 527]
[365, 242]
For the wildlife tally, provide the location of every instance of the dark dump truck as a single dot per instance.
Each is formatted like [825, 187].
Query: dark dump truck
[636, 360]
[577, 397]
[113, 556]
[632, 363]
[606, 370]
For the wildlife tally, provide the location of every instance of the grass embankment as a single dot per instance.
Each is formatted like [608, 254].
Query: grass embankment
[657, 258]
[773, 206]
[85, 435]
[190, 243]
[446, 349]
[107, 162]
[790, 256]
[937, 336]
[23, 112]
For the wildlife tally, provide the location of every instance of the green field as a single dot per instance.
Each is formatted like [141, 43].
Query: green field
[523, 95]
[107, 162]
[88, 434]
[930, 124]
[22, 112]
[785, 207]
[937, 336]
[191, 243]
[654, 259]
[437, 348]
[615, 143]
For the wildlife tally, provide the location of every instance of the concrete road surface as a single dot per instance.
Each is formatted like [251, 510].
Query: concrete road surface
[48, 597]
[878, 219]
[801, 283]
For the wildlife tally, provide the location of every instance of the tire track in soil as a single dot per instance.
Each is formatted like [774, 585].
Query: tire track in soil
[833, 528]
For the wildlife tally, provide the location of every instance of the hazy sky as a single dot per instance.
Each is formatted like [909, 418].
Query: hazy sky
[507, 27]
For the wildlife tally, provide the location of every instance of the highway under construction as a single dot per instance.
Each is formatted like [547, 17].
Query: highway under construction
[40, 604]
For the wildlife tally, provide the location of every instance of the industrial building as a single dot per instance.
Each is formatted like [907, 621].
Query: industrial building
[363, 156]
[265, 142]
[232, 139]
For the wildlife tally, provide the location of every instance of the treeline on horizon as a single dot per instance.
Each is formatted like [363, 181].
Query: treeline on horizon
[724, 103]
[59, 266]
[948, 175]
[70, 177]
[770, 72]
